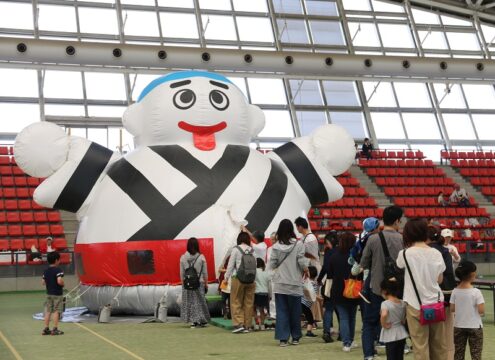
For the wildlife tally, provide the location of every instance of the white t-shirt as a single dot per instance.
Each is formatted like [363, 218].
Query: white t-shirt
[426, 265]
[466, 308]
[260, 251]
[311, 247]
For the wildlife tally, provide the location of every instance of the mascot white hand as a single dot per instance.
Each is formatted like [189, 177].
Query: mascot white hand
[192, 174]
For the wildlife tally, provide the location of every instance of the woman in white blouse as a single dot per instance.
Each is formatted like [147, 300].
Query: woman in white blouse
[427, 267]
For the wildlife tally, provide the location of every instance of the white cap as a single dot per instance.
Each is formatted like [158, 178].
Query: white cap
[447, 232]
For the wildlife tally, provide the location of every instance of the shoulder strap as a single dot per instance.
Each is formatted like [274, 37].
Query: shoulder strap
[246, 251]
[194, 262]
[411, 276]
[280, 263]
[384, 244]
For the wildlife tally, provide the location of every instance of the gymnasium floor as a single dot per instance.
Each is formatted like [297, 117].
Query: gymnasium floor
[20, 338]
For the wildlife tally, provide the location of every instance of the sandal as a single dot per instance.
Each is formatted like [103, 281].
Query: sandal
[57, 332]
[46, 331]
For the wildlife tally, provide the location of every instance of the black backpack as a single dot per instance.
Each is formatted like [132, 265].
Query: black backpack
[246, 273]
[390, 269]
[191, 279]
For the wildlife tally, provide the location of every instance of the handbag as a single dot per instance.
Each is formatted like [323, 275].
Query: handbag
[309, 291]
[352, 288]
[428, 313]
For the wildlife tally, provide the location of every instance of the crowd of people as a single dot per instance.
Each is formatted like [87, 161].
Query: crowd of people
[404, 285]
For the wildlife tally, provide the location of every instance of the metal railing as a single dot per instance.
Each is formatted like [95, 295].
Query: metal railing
[22, 266]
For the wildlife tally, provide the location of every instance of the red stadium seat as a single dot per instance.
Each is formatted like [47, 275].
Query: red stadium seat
[22, 192]
[33, 182]
[43, 230]
[30, 242]
[15, 230]
[6, 170]
[27, 217]
[29, 230]
[17, 244]
[65, 258]
[16, 170]
[7, 181]
[4, 245]
[9, 193]
[13, 217]
[61, 244]
[25, 204]
[20, 181]
[40, 216]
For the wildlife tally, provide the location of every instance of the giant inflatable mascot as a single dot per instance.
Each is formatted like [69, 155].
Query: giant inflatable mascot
[192, 174]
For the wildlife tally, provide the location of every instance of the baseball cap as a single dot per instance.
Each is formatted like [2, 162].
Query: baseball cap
[370, 224]
[447, 232]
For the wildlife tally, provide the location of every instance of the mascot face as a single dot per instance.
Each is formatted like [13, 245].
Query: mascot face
[193, 107]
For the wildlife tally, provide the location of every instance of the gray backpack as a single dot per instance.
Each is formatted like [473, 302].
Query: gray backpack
[246, 273]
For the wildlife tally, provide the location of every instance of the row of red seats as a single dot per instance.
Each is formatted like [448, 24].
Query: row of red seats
[31, 230]
[403, 172]
[348, 181]
[58, 243]
[470, 172]
[20, 204]
[11, 170]
[417, 191]
[355, 191]
[423, 202]
[29, 217]
[344, 213]
[401, 154]
[19, 181]
[354, 225]
[416, 181]
[21, 192]
[472, 163]
[482, 181]
[350, 202]
[7, 160]
[452, 154]
[476, 248]
[488, 190]
[22, 258]
[396, 163]
[445, 212]
[6, 150]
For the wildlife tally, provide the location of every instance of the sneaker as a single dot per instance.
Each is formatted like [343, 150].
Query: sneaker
[46, 331]
[295, 342]
[327, 338]
[354, 345]
[407, 350]
[380, 345]
[283, 343]
[202, 325]
[238, 329]
[257, 327]
[56, 331]
[346, 349]
[262, 327]
[310, 334]
[245, 331]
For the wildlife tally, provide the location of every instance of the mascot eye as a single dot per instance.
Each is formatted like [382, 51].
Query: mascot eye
[219, 100]
[184, 99]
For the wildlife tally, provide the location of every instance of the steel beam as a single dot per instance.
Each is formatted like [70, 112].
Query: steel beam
[303, 63]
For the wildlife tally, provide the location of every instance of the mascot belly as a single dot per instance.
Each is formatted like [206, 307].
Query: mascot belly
[192, 174]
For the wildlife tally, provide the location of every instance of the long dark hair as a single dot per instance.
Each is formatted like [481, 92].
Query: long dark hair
[193, 246]
[415, 230]
[285, 232]
[434, 234]
[243, 238]
[346, 242]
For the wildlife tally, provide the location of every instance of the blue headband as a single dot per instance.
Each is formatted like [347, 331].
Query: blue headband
[178, 76]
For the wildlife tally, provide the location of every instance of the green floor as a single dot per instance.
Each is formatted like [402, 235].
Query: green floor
[160, 341]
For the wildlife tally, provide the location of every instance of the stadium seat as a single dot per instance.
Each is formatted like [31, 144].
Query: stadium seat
[25, 204]
[15, 230]
[7, 181]
[17, 244]
[22, 192]
[28, 243]
[20, 181]
[43, 230]
[4, 245]
[13, 217]
[33, 182]
[9, 193]
[29, 230]
[36, 206]
[40, 216]
[61, 244]
[27, 217]
[65, 258]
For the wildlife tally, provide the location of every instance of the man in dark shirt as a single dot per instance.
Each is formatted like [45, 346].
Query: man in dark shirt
[373, 259]
[367, 148]
[331, 241]
[53, 279]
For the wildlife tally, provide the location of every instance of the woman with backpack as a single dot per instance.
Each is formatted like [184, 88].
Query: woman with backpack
[241, 272]
[288, 262]
[194, 275]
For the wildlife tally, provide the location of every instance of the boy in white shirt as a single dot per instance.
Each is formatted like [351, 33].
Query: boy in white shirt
[468, 305]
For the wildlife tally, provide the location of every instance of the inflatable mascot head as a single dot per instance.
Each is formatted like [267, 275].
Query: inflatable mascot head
[206, 107]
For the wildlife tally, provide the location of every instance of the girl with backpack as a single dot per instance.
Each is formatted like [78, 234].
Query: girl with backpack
[241, 272]
[288, 262]
[194, 275]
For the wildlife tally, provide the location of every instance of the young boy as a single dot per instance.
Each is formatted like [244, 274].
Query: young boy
[306, 304]
[53, 279]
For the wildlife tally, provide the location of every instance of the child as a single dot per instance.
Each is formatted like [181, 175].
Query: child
[53, 278]
[307, 303]
[392, 319]
[261, 294]
[468, 305]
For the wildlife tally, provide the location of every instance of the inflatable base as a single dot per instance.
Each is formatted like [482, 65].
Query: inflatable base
[140, 300]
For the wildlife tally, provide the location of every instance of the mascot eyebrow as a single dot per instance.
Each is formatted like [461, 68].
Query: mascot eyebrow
[219, 84]
[180, 83]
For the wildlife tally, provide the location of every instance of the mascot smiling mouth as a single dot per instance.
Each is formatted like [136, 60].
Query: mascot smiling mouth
[203, 136]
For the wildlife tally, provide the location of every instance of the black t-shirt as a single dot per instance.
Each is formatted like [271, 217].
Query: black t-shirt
[50, 276]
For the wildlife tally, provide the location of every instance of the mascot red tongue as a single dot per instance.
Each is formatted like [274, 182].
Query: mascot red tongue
[203, 136]
[137, 210]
